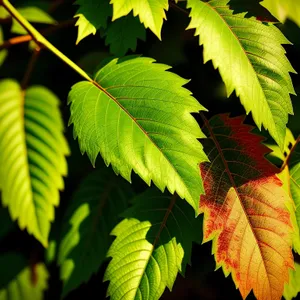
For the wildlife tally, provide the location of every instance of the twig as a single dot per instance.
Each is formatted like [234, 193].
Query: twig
[28, 37]
[30, 67]
[175, 6]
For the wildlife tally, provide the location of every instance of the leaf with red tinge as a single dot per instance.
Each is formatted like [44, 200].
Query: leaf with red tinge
[244, 209]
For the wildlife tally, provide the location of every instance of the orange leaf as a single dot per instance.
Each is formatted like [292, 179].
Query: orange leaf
[244, 209]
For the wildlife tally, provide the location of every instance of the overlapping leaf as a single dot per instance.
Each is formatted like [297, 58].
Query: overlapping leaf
[250, 59]
[89, 220]
[138, 116]
[22, 282]
[150, 12]
[283, 9]
[122, 35]
[92, 15]
[244, 210]
[152, 245]
[32, 160]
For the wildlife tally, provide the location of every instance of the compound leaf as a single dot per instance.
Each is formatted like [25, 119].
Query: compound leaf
[92, 215]
[32, 160]
[138, 116]
[153, 243]
[244, 209]
[22, 282]
[251, 61]
[150, 12]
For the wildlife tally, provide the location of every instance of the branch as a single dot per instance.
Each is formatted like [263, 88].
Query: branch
[30, 67]
[28, 37]
[177, 7]
[41, 40]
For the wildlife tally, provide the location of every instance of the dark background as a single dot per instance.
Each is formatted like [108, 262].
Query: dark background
[180, 49]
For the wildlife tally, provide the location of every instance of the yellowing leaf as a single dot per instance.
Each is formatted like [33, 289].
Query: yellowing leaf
[244, 210]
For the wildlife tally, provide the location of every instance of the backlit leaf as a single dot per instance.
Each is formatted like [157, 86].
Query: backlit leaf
[152, 245]
[92, 215]
[32, 160]
[150, 12]
[251, 61]
[138, 116]
[244, 209]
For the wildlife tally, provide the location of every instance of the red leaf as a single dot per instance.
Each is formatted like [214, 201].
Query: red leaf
[244, 209]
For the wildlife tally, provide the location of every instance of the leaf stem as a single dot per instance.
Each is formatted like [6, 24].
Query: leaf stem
[30, 67]
[41, 40]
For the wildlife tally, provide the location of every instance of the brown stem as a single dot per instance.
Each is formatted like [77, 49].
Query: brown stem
[177, 7]
[28, 37]
[30, 67]
[288, 158]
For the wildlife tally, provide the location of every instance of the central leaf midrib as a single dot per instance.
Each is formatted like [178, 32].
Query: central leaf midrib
[102, 89]
[157, 236]
[241, 46]
[212, 135]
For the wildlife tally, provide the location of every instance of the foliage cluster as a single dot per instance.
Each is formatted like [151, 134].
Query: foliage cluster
[227, 178]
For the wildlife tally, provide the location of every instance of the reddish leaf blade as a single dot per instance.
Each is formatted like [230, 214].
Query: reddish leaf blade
[244, 209]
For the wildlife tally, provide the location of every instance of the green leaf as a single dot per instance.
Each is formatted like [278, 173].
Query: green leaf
[153, 244]
[32, 160]
[123, 33]
[92, 215]
[32, 14]
[22, 282]
[92, 16]
[283, 9]
[150, 12]
[138, 116]
[3, 52]
[292, 289]
[250, 59]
